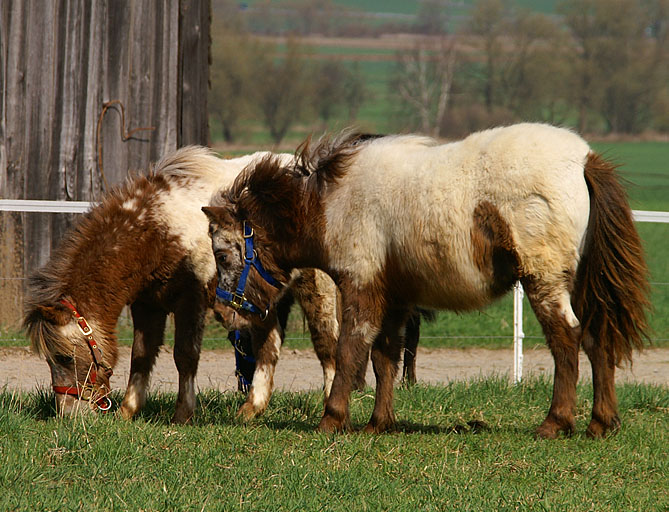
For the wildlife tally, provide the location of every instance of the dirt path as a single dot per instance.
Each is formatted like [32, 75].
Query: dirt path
[299, 370]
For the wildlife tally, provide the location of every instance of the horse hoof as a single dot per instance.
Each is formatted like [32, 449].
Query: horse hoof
[329, 425]
[126, 412]
[550, 429]
[182, 419]
[378, 424]
[375, 428]
[247, 412]
[598, 429]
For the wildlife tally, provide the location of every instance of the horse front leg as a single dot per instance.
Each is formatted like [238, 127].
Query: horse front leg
[386, 353]
[605, 402]
[266, 347]
[189, 318]
[149, 332]
[362, 316]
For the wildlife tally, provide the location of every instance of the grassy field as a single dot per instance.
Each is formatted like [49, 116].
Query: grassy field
[466, 446]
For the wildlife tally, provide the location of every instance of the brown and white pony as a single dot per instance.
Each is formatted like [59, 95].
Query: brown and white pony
[147, 245]
[404, 220]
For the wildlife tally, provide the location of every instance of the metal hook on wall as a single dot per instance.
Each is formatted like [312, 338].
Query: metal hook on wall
[125, 135]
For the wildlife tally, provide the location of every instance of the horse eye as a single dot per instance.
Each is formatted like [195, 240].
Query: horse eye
[220, 256]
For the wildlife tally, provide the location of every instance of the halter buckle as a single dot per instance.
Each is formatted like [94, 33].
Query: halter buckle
[250, 260]
[237, 300]
[84, 327]
[249, 234]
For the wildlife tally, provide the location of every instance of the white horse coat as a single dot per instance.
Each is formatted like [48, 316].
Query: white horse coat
[412, 196]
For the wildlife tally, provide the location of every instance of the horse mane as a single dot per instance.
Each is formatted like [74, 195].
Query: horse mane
[48, 284]
[190, 162]
[273, 191]
[329, 159]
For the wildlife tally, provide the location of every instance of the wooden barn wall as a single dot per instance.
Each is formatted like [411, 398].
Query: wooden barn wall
[70, 70]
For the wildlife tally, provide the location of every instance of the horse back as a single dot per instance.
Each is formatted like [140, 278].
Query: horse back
[462, 221]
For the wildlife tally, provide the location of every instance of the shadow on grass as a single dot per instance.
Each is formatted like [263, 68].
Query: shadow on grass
[471, 427]
[301, 412]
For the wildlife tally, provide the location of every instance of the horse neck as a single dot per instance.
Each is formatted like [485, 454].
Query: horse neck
[102, 282]
[100, 305]
[304, 248]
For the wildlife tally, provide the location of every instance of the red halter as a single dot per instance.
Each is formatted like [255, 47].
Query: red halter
[103, 403]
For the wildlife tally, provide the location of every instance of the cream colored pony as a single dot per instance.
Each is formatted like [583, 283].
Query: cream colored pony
[403, 220]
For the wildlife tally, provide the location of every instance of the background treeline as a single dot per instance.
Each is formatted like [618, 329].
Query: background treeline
[282, 69]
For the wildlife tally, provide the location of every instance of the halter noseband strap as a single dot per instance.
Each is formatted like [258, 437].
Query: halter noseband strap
[237, 299]
[103, 403]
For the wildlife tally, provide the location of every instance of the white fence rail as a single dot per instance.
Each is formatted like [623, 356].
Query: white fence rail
[30, 205]
[20, 205]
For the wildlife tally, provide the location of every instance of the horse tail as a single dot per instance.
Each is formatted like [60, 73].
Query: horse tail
[611, 294]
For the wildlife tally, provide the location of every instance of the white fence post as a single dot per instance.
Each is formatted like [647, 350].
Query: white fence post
[518, 333]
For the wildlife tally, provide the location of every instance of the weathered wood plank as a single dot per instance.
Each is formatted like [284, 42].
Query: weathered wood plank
[61, 62]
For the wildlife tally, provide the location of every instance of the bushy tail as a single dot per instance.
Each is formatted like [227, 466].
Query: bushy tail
[611, 295]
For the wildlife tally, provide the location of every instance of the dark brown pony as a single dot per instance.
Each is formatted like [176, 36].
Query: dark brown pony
[146, 246]
[400, 221]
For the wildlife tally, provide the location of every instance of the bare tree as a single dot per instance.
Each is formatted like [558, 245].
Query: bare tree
[233, 90]
[432, 17]
[425, 79]
[532, 82]
[488, 22]
[621, 71]
[355, 91]
[282, 90]
[336, 87]
[329, 79]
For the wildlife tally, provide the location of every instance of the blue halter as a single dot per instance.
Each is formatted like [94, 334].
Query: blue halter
[241, 357]
[237, 299]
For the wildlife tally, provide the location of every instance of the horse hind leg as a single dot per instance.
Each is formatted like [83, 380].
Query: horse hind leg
[552, 307]
[605, 403]
[411, 337]
[189, 318]
[149, 331]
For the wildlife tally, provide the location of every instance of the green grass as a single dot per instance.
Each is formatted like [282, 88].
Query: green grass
[645, 165]
[465, 446]
[411, 7]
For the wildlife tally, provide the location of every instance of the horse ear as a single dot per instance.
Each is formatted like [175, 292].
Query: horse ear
[218, 216]
[213, 213]
[55, 313]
